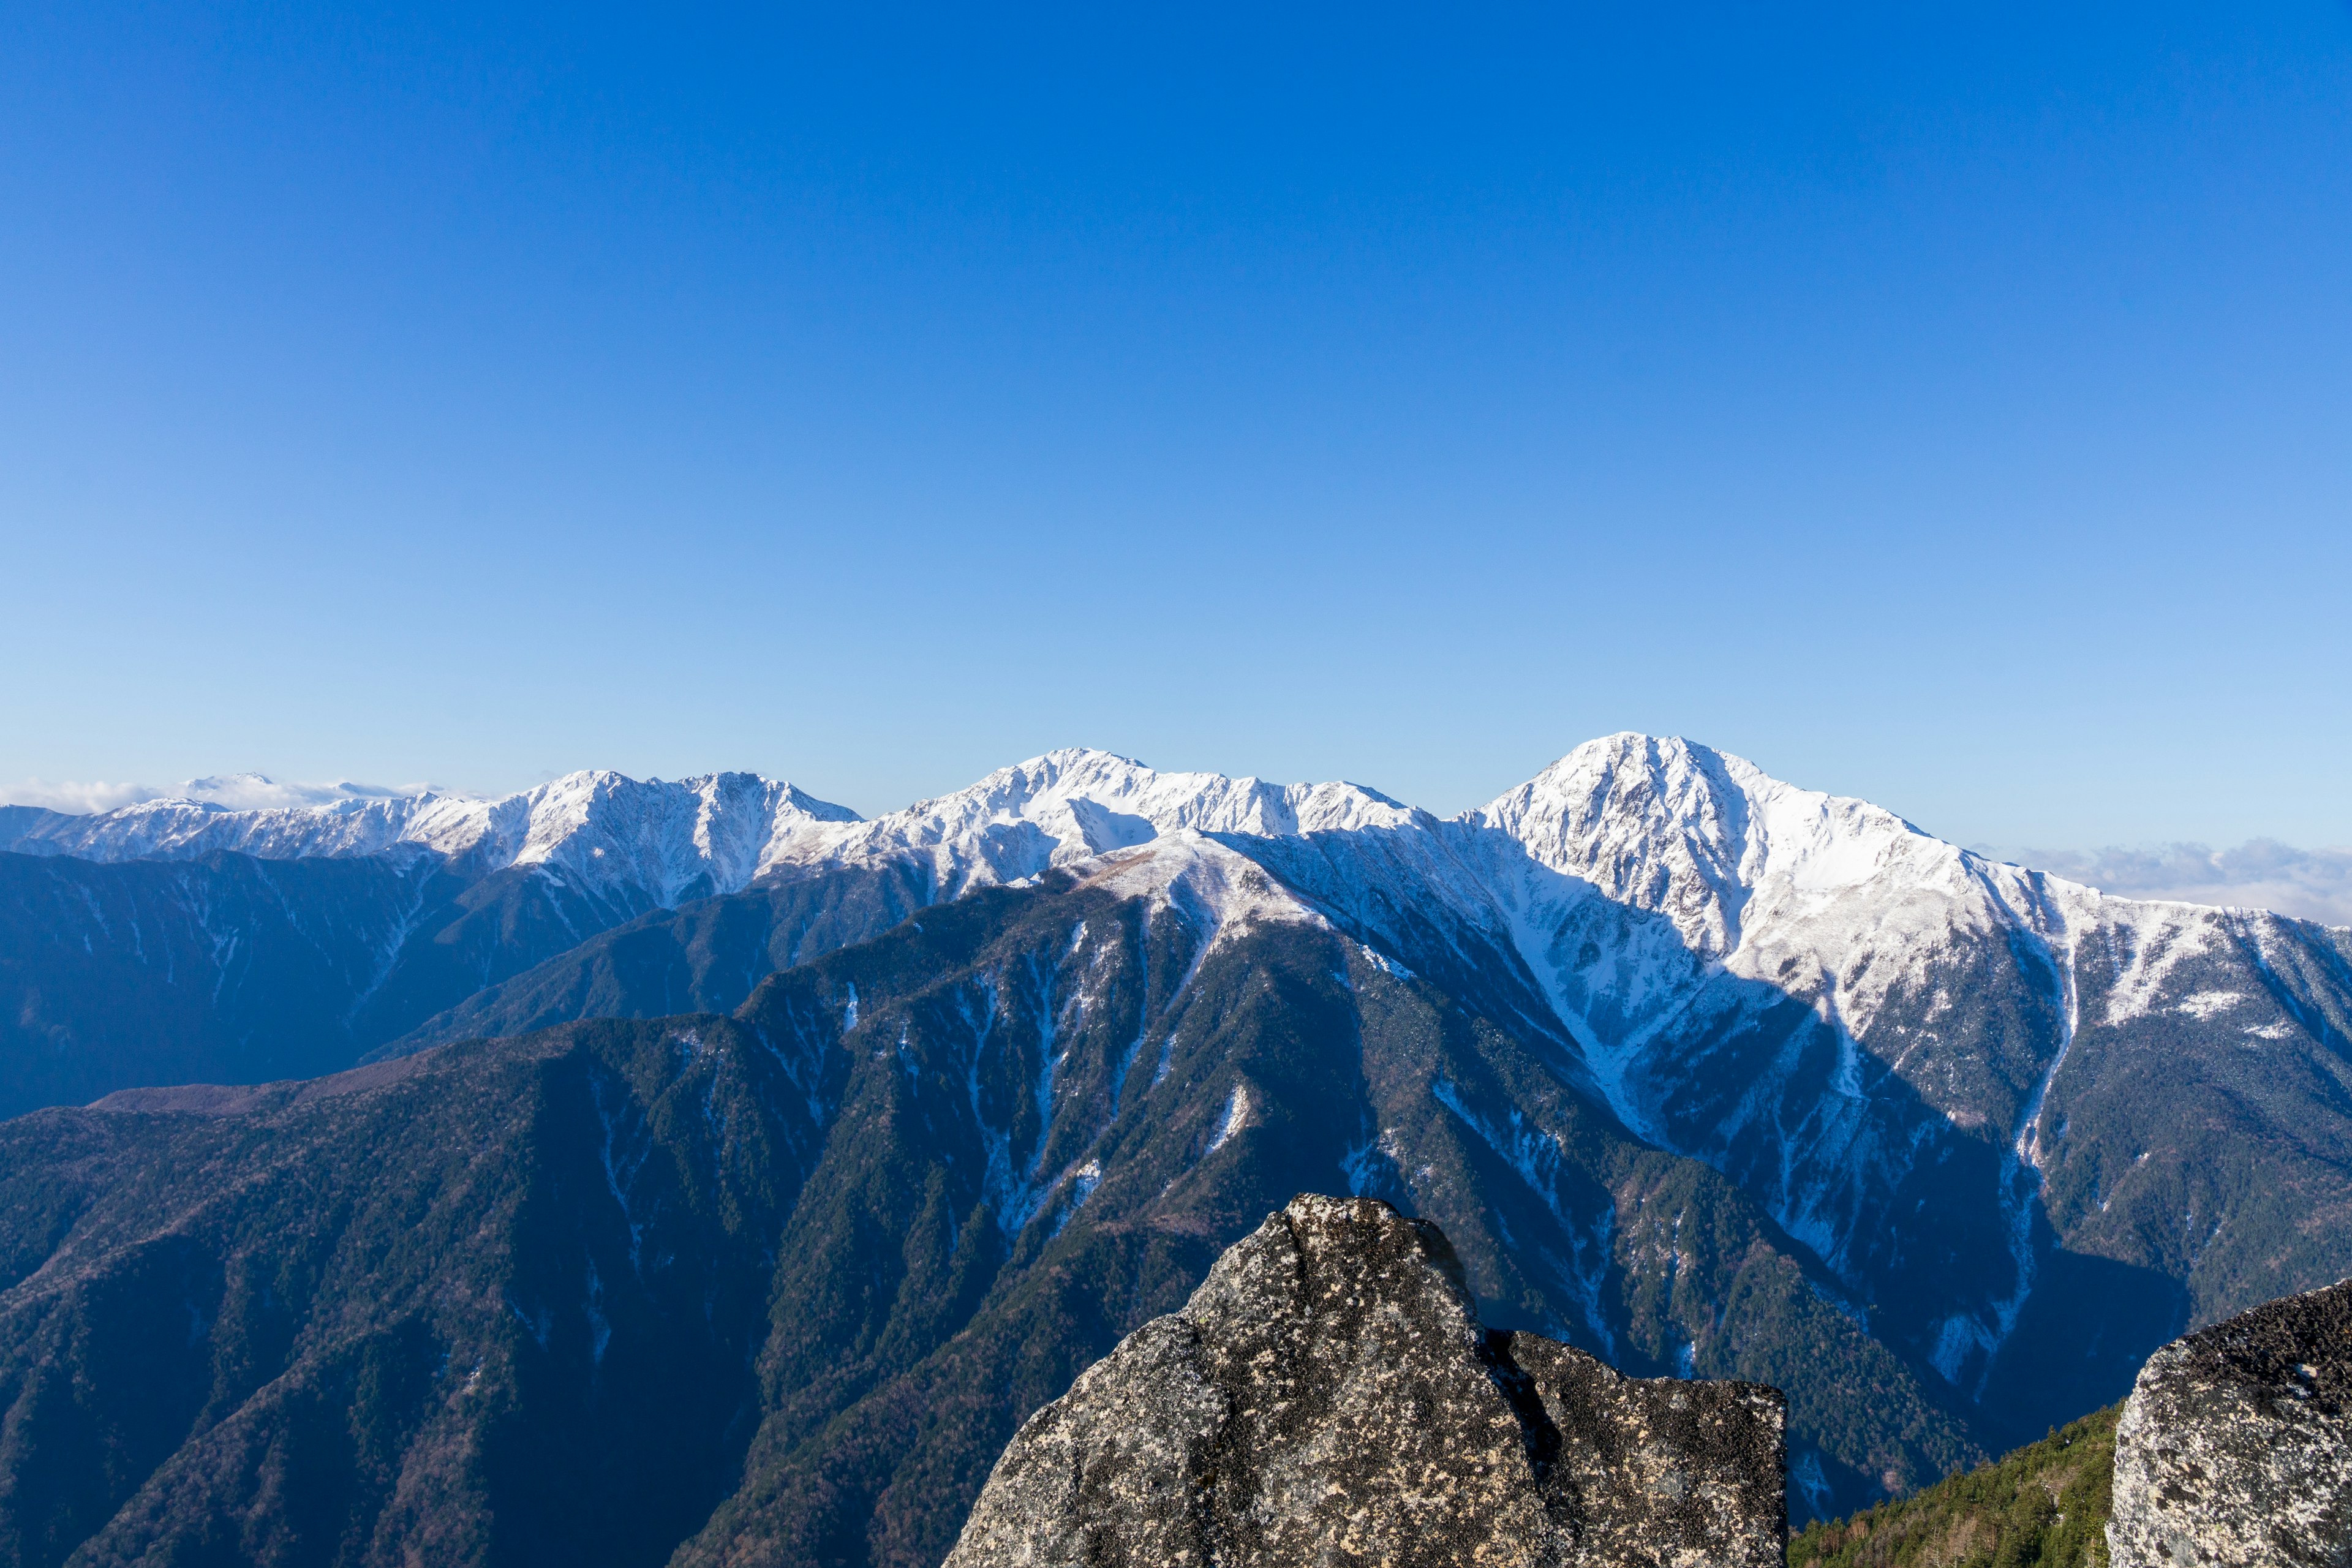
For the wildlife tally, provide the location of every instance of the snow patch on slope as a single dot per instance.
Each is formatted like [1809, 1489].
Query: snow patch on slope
[1218, 890]
[1235, 1118]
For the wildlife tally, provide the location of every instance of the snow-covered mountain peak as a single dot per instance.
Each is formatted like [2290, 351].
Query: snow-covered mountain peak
[1671, 827]
[1696, 835]
[667, 837]
[1207, 803]
[1070, 805]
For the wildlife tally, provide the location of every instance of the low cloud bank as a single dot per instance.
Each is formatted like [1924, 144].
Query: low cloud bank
[2262, 873]
[239, 792]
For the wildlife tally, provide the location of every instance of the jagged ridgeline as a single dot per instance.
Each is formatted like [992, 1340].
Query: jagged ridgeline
[889, 1128]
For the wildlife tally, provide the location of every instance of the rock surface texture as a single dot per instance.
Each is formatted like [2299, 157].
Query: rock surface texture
[1328, 1396]
[2236, 1446]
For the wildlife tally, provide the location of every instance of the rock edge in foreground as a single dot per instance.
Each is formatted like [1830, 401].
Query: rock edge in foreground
[2235, 1447]
[1328, 1396]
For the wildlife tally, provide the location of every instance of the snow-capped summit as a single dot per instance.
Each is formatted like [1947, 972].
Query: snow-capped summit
[713, 832]
[1669, 827]
[1701, 862]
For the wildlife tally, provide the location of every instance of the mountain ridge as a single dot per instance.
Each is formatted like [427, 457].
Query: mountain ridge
[665, 834]
[2020, 1132]
[535, 826]
[1822, 942]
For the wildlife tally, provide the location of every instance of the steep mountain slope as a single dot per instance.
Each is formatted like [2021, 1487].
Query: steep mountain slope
[2010, 1134]
[224, 967]
[803, 1271]
[314, 1323]
[2018, 1121]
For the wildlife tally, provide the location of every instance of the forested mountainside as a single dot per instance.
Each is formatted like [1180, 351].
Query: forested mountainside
[780, 1285]
[1957, 1142]
[2044, 1505]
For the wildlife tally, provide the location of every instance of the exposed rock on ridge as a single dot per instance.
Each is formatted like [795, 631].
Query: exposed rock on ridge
[1328, 1396]
[2236, 1446]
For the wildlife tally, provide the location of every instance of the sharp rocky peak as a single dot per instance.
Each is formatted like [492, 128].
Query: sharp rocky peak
[1671, 827]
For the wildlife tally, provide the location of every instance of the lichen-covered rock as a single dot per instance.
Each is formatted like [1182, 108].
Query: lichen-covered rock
[1328, 1397]
[2236, 1445]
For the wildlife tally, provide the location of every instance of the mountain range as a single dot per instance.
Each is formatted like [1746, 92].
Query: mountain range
[770, 1165]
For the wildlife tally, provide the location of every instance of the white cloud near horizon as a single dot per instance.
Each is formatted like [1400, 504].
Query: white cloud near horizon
[77, 799]
[2262, 873]
[240, 792]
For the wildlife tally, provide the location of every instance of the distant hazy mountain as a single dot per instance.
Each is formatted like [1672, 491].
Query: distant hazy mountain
[1699, 1069]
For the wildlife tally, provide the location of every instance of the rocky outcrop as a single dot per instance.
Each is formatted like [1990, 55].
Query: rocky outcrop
[2236, 1446]
[1328, 1397]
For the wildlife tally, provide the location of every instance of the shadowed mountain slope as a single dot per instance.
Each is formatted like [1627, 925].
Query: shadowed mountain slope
[179, 941]
[1952, 1144]
[2031, 1131]
[780, 1287]
[228, 968]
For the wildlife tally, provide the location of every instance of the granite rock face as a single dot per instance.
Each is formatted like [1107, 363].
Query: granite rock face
[2236, 1446]
[1328, 1396]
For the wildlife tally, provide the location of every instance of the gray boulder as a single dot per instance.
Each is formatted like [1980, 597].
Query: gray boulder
[2236, 1445]
[1328, 1397]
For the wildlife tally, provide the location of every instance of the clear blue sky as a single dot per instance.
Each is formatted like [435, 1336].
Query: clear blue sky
[1951, 404]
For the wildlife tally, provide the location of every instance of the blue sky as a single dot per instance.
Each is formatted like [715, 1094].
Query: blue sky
[1949, 408]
